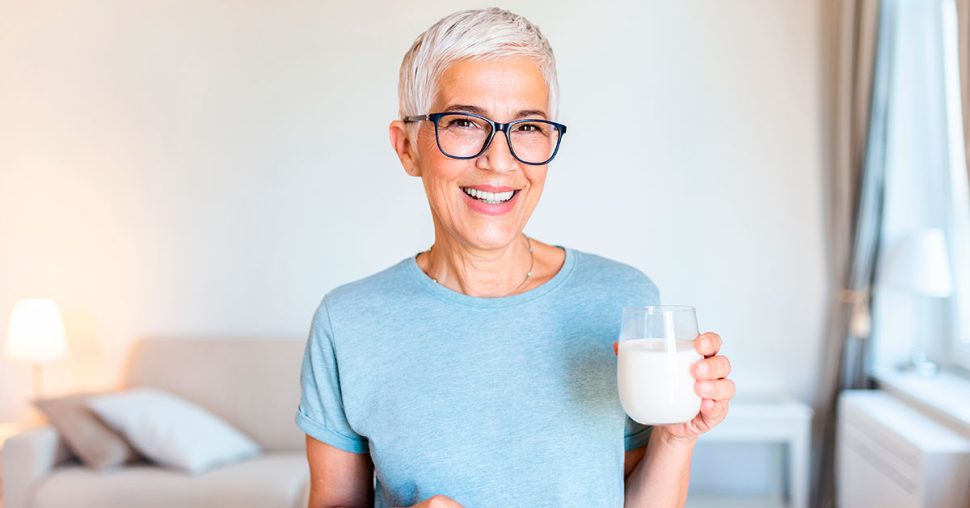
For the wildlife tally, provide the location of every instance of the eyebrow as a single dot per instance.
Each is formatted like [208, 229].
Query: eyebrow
[479, 111]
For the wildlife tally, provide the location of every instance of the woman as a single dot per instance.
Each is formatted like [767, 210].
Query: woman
[480, 372]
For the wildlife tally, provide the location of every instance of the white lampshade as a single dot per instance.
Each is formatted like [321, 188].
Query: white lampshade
[918, 263]
[36, 332]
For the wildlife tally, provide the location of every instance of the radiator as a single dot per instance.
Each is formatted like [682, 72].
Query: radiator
[891, 455]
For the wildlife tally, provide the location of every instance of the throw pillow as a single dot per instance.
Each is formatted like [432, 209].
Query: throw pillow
[85, 434]
[171, 431]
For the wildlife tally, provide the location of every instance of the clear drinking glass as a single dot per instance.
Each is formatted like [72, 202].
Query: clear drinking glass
[655, 354]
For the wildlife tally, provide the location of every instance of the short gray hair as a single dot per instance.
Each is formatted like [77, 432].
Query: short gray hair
[480, 34]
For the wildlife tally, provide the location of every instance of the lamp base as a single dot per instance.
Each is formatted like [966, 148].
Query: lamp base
[38, 379]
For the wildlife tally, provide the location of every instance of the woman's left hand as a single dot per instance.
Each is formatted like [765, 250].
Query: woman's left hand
[712, 385]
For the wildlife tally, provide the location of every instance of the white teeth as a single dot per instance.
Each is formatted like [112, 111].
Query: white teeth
[491, 198]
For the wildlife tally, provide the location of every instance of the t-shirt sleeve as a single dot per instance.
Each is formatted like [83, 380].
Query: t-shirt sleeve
[635, 435]
[321, 410]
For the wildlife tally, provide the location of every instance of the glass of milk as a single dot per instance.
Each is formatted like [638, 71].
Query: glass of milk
[655, 355]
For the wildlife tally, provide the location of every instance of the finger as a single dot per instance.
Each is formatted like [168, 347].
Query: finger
[615, 350]
[707, 405]
[708, 344]
[716, 367]
[713, 412]
[720, 390]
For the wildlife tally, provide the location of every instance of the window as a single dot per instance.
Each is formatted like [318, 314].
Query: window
[926, 184]
[957, 220]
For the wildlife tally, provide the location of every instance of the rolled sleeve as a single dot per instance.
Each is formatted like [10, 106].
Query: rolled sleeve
[321, 411]
[635, 435]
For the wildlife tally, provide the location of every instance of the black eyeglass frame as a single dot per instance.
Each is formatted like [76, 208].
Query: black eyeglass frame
[496, 127]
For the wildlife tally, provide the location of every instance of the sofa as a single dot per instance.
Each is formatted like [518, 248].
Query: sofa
[253, 384]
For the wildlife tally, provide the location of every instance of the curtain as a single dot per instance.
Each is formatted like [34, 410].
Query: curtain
[854, 184]
[963, 34]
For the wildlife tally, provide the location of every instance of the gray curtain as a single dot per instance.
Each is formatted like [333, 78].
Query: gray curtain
[855, 194]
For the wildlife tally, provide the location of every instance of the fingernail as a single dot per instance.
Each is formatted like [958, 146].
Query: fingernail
[705, 344]
[706, 388]
[701, 369]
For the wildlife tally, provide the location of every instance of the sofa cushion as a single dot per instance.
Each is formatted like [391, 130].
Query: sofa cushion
[171, 431]
[85, 434]
[269, 481]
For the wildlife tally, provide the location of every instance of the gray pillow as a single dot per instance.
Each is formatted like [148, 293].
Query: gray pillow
[172, 431]
[85, 434]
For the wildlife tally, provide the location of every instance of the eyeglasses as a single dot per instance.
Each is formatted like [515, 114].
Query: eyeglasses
[467, 135]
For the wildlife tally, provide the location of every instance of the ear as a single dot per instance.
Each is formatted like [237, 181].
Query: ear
[401, 144]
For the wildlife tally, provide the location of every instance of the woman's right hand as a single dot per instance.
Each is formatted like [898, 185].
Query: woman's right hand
[438, 501]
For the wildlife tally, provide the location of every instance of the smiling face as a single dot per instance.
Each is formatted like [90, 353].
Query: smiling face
[485, 202]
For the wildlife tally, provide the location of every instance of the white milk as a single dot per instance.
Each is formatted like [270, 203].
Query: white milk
[657, 387]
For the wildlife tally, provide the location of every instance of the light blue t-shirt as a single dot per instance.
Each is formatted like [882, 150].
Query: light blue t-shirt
[494, 402]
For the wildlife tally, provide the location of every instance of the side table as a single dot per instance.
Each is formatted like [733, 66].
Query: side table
[772, 419]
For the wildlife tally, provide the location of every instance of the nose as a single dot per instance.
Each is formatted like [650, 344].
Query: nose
[498, 155]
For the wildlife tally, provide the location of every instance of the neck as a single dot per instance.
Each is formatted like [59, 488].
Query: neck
[478, 272]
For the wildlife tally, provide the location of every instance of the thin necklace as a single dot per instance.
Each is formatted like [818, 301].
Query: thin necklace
[528, 274]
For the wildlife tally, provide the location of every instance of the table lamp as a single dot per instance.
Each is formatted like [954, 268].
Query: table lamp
[36, 336]
[918, 264]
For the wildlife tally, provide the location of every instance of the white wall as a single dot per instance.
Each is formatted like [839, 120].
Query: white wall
[213, 168]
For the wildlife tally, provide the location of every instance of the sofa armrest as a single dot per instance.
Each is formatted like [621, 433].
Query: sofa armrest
[28, 457]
